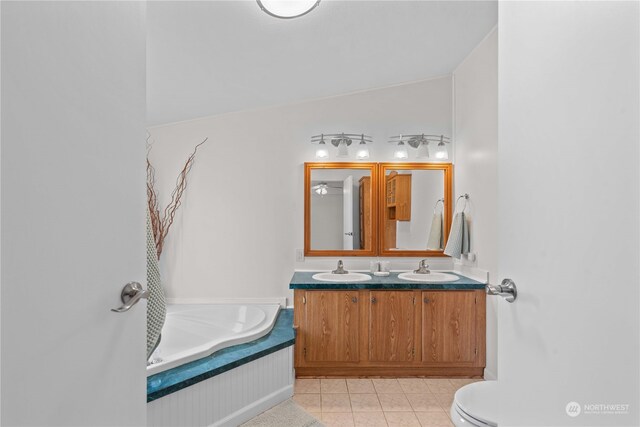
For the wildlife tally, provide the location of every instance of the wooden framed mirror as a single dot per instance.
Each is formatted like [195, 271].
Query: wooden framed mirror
[415, 209]
[340, 209]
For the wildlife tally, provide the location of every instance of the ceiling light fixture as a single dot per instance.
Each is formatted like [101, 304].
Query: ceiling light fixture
[287, 9]
[341, 141]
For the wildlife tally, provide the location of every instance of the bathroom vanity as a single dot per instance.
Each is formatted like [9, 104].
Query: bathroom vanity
[387, 326]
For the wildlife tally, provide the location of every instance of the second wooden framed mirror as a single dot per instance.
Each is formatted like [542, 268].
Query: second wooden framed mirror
[415, 208]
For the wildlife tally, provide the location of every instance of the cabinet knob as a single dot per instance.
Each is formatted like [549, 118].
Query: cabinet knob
[374, 300]
[354, 299]
[426, 300]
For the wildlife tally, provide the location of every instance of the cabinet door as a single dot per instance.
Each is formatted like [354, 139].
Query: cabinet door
[332, 322]
[392, 326]
[448, 327]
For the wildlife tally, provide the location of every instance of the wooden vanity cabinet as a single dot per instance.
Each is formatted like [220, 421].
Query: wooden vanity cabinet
[389, 333]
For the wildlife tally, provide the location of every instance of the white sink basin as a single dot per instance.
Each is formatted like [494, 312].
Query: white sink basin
[349, 277]
[432, 277]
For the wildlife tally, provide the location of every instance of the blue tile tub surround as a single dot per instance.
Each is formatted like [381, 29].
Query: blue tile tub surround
[303, 280]
[281, 336]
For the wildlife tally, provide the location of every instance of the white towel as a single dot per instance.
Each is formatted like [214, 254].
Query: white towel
[458, 243]
[434, 242]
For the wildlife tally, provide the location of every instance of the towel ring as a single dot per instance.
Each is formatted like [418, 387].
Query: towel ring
[465, 196]
[436, 205]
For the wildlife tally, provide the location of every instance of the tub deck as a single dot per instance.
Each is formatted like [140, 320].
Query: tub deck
[281, 336]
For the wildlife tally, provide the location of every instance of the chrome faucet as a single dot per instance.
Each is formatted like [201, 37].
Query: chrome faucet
[422, 268]
[340, 269]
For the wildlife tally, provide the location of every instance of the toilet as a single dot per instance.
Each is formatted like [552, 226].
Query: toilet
[475, 405]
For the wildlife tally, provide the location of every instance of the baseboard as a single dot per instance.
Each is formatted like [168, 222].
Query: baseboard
[489, 375]
[256, 408]
[266, 300]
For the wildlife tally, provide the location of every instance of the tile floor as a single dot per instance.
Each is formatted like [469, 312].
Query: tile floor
[379, 402]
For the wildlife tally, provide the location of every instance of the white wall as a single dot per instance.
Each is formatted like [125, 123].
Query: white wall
[568, 213]
[426, 188]
[476, 172]
[243, 209]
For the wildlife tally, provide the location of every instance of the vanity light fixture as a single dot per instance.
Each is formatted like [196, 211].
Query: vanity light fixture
[287, 9]
[342, 141]
[363, 150]
[322, 189]
[421, 143]
[401, 152]
[323, 151]
[441, 150]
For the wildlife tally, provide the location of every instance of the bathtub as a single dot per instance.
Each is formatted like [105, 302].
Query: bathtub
[194, 331]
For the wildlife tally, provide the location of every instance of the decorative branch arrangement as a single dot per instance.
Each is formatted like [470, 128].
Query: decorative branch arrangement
[161, 224]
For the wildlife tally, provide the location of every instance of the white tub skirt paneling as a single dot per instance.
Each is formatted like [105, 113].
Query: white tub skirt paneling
[228, 399]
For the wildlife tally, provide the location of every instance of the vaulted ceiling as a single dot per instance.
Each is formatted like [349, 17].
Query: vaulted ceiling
[212, 57]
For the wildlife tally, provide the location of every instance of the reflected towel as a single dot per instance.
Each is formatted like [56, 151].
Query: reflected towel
[458, 243]
[435, 234]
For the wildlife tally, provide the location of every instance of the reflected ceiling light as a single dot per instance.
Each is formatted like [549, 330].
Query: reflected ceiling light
[322, 152]
[287, 9]
[341, 141]
[321, 189]
[421, 144]
[363, 150]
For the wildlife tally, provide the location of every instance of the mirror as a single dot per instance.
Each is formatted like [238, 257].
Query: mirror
[415, 208]
[340, 214]
[368, 209]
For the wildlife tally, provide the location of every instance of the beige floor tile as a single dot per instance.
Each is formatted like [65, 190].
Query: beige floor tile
[440, 385]
[369, 419]
[394, 402]
[360, 386]
[337, 419]
[309, 402]
[316, 415]
[387, 385]
[413, 385]
[335, 402]
[401, 419]
[434, 419]
[333, 386]
[460, 382]
[307, 385]
[425, 402]
[365, 403]
[445, 400]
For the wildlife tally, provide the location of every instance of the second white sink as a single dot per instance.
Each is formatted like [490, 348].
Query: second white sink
[349, 277]
[428, 278]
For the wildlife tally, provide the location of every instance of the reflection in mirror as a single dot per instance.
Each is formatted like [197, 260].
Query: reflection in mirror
[414, 216]
[340, 203]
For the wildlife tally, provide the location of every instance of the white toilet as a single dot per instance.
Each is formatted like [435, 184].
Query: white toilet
[475, 405]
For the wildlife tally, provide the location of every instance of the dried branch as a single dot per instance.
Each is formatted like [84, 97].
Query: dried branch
[161, 225]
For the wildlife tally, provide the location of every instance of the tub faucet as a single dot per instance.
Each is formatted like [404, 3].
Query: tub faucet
[422, 268]
[340, 269]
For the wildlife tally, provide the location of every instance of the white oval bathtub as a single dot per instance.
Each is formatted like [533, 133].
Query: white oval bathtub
[193, 331]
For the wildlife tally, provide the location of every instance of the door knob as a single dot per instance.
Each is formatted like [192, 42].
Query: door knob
[130, 295]
[350, 233]
[507, 289]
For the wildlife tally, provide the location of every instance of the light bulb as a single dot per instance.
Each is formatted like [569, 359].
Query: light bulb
[441, 151]
[423, 150]
[322, 152]
[343, 150]
[363, 151]
[401, 151]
